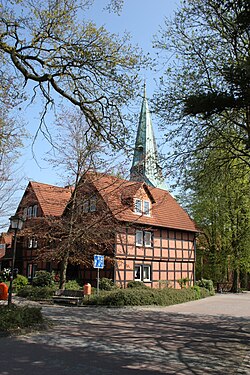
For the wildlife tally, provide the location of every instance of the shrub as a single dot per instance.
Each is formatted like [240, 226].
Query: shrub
[19, 282]
[147, 296]
[183, 282]
[72, 285]
[207, 284]
[4, 274]
[136, 284]
[107, 284]
[36, 293]
[43, 278]
[16, 318]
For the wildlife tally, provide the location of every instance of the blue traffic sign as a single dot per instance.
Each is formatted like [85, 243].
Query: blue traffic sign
[98, 261]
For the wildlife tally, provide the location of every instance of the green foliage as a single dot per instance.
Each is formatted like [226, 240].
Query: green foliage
[43, 278]
[15, 318]
[19, 282]
[72, 285]
[36, 293]
[183, 282]
[136, 284]
[107, 284]
[148, 296]
[4, 275]
[207, 284]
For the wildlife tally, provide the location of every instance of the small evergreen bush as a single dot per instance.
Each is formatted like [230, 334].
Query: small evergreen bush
[43, 278]
[207, 284]
[148, 296]
[107, 284]
[15, 318]
[36, 293]
[72, 285]
[19, 282]
[136, 284]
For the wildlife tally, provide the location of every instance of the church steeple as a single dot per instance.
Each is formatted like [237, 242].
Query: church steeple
[145, 167]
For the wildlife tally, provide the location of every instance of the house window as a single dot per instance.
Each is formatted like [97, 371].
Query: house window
[148, 239]
[139, 238]
[25, 212]
[89, 205]
[142, 272]
[146, 207]
[32, 243]
[85, 206]
[35, 211]
[30, 209]
[143, 238]
[142, 207]
[138, 206]
[92, 204]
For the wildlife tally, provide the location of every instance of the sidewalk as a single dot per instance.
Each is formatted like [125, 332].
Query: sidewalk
[205, 337]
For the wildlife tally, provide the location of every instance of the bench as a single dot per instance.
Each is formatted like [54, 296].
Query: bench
[68, 296]
[224, 287]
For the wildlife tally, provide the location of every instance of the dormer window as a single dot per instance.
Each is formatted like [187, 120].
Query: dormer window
[138, 206]
[142, 207]
[146, 208]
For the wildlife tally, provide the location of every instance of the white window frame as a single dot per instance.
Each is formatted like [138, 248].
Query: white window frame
[147, 241]
[34, 243]
[30, 243]
[139, 272]
[146, 212]
[139, 237]
[143, 238]
[138, 210]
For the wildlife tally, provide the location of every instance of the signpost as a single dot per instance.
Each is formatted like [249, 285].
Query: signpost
[98, 263]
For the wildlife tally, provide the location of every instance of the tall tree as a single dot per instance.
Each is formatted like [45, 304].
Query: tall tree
[51, 46]
[205, 92]
[11, 137]
[219, 201]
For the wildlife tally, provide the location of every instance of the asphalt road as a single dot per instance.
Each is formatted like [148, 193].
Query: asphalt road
[210, 336]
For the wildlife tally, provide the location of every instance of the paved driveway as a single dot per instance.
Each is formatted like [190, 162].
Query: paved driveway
[180, 339]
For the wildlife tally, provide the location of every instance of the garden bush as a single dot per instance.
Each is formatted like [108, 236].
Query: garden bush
[107, 284]
[43, 278]
[147, 296]
[207, 284]
[136, 284]
[19, 282]
[16, 318]
[36, 293]
[72, 285]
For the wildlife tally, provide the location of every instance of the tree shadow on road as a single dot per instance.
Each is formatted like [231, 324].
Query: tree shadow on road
[130, 341]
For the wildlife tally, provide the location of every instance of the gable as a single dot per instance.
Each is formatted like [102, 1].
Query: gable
[51, 200]
[166, 211]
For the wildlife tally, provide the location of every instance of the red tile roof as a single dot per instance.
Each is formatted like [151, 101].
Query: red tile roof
[166, 211]
[52, 199]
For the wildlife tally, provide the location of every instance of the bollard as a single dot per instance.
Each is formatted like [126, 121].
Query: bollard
[3, 291]
[87, 290]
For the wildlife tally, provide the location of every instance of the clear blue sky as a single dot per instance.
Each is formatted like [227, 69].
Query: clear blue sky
[142, 18]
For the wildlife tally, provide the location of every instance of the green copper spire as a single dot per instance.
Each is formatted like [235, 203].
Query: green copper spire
[145, 167]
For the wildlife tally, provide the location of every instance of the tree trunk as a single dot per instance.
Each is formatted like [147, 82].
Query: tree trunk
[63, 271]
[236, 281]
